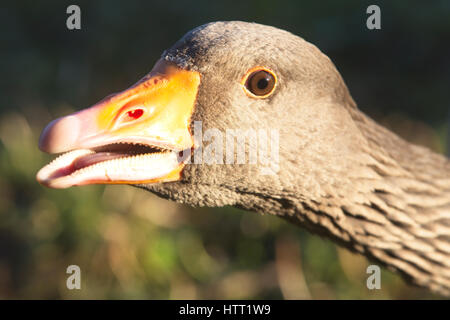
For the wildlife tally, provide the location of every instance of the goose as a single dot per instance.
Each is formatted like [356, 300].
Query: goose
[334, 170]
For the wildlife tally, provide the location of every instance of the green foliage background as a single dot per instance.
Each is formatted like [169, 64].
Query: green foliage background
[131, 244]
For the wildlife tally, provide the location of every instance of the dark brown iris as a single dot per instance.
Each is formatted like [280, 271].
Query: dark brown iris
[260, 83]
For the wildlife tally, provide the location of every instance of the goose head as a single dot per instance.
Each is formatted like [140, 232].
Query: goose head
[223, 88]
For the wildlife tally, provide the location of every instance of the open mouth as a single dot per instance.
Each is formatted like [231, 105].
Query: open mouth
[132, 137]
[123, 162]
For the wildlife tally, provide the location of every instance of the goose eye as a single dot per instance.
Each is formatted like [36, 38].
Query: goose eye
[260, 83]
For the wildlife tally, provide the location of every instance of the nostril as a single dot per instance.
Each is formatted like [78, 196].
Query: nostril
[135, 114]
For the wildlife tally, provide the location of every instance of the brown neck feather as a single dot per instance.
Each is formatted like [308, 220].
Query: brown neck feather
[406, 222]
[398, 213]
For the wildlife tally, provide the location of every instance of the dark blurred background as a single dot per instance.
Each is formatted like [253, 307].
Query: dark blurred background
[131, 244]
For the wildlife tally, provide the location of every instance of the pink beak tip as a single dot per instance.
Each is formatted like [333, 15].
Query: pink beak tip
[59, 135]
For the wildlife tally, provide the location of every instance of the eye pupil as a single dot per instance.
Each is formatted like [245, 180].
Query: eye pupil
[260, 83]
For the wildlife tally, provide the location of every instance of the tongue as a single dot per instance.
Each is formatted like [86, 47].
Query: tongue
[94, 158]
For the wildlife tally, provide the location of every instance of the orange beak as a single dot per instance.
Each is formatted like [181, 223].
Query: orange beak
[131, 137]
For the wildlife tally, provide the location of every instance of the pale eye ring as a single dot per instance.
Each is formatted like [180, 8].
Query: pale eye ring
[259, 82]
